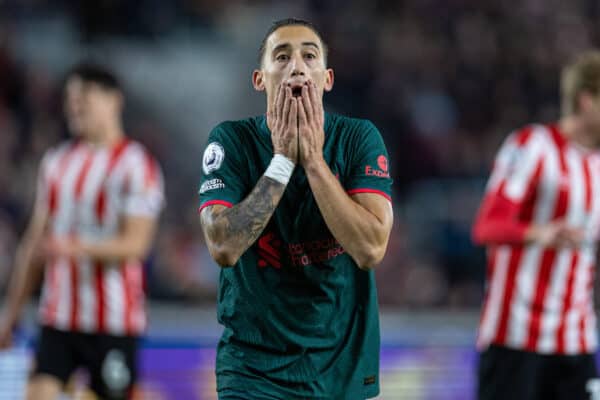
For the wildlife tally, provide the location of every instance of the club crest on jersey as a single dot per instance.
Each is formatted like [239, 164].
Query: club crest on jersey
[213, 157]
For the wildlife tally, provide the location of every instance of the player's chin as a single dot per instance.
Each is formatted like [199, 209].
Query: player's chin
[76, 128]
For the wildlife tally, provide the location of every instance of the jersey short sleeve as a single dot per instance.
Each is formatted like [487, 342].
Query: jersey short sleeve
[515, 164]
[144, 194]
[52, 163]
[369, 167]
[222, 169]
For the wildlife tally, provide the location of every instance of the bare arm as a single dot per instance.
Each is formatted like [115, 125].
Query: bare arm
[361, 223]
[229, 232]
[132, 242]
[26, 273]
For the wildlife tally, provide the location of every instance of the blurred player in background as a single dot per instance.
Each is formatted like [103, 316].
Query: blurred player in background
[539, 220]
[98, 198]
[295, 205]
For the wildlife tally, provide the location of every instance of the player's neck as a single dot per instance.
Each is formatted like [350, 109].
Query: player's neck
[574, 130]
[106, 137]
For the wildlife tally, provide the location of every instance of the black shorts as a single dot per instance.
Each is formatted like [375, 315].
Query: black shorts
[520, 375]
[110, 360]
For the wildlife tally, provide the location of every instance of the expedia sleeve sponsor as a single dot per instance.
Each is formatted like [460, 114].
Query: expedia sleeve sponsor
[369, 162]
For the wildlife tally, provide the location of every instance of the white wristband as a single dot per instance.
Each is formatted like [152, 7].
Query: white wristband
[280, 169]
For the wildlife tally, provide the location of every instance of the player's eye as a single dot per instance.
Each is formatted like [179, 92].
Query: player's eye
[310, 56]
[282, 57]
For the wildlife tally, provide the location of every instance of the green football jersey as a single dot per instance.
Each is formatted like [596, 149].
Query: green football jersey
[301, 319]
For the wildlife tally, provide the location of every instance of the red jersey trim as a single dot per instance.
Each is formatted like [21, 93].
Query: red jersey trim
[364, 190]
[213, 202]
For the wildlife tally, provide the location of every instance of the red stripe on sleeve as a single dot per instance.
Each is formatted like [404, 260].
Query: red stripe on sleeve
[214, 202]
[366, 190]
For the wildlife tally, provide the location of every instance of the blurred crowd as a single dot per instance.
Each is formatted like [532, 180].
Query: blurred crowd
[444, 80]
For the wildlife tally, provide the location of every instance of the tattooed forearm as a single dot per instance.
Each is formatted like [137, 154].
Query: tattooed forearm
[244, 223]
[231, 231]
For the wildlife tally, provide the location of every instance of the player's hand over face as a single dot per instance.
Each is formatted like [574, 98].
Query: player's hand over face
[558, 234]
[282, 119]
[311, 121]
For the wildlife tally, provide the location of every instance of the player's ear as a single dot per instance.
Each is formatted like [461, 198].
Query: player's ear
[329, 78]
[258, 80]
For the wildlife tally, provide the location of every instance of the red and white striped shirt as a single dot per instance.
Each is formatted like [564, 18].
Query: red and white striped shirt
[88, 190]
[537, 298]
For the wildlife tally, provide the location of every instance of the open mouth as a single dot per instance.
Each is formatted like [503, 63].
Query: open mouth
[296, 91]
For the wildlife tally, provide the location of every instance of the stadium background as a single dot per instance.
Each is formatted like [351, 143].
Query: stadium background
[444, 80]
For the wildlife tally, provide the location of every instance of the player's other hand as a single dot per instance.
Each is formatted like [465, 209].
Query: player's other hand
[282, 119]
[54, 247]
[311, 122]
[556, 234]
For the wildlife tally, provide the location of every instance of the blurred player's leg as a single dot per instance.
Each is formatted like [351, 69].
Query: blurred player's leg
[43, 387]
[76, 387]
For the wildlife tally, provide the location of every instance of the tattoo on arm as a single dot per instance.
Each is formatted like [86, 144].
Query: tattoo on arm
[242, 224]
